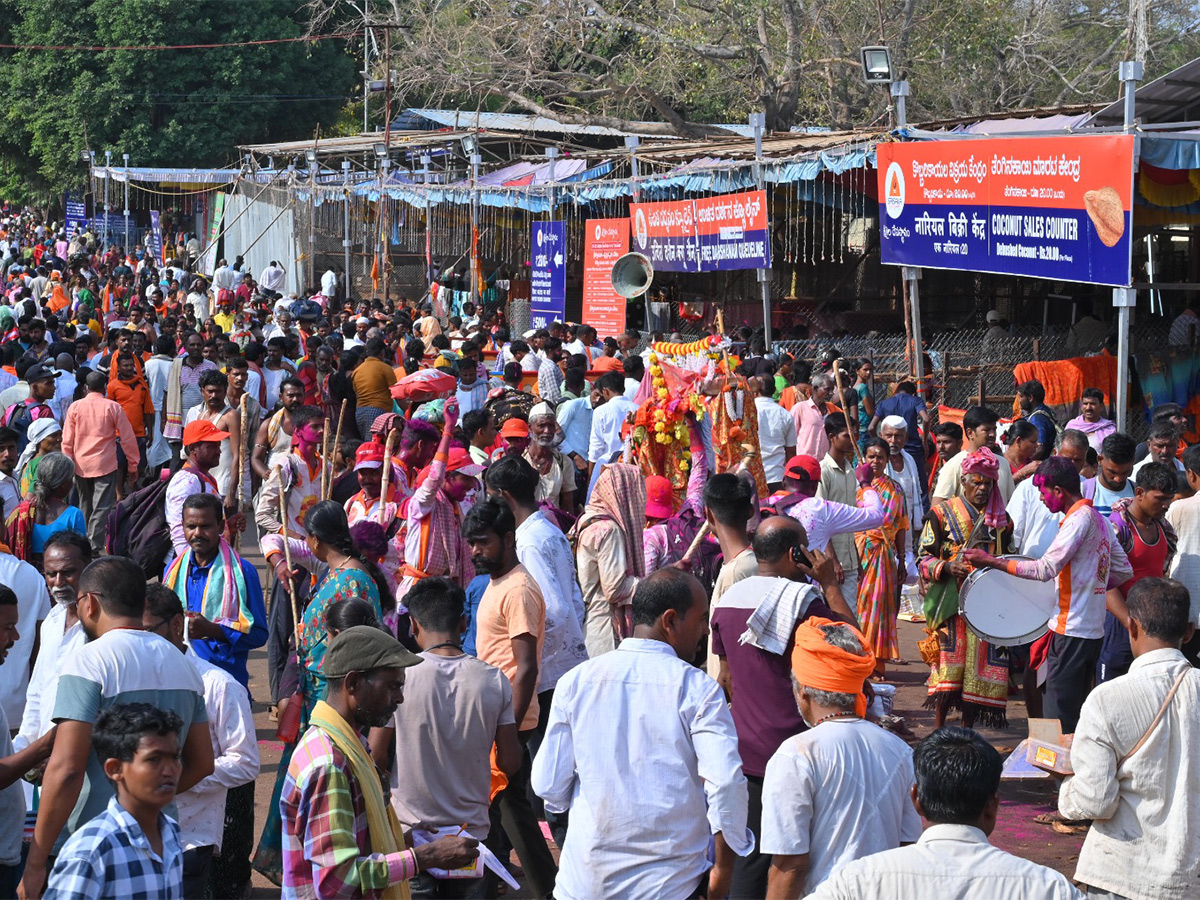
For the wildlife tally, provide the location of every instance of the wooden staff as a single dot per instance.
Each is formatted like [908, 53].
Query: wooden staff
[337, 442]
[241, 486]
[695, 544]
[837, 375]
[326, 469]
[387, 473]
[287, 556]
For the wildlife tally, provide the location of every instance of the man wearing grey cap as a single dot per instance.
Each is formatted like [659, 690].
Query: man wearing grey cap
[332, 783]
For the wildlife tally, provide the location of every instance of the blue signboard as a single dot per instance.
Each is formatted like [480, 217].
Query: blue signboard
[548, 279]
[76, 213]
[156, 246]
[710, 234]
[1056, 207]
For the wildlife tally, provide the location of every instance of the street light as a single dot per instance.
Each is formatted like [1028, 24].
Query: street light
[86, 156]
[381, 151]
[877, 65]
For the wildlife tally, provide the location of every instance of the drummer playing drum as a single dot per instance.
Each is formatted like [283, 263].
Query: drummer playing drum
[1089, 565]
[970, 674]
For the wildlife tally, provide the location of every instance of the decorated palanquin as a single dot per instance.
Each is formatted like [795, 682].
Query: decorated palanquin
[659, 441]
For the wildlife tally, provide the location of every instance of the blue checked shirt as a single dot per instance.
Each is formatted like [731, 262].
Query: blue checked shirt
[110, 858]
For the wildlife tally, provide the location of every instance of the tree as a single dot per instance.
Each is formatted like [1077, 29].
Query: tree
[184, 108]
[684, 63]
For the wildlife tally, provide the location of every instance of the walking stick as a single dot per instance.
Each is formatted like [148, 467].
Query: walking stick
[326, 469]
[387, 473]
[337, 442]
[289, 723]
[241, 463]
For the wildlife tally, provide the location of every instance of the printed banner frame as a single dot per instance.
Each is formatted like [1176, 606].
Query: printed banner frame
[1058, 208]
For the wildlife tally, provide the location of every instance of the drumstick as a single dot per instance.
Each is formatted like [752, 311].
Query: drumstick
[387, 473]
[337, 442]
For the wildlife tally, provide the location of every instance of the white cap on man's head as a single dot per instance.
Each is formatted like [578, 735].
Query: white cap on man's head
[993, 316]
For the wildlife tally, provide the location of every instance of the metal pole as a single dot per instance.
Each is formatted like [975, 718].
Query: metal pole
[125, 157]
[1125, 298]
[107, 176]
[476, 287]
[631, 144]
[758, 121]
[346, 227]
[911, 274]
[387, 163]
[425, 172]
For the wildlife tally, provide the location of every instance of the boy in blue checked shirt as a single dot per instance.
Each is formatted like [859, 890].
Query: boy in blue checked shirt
[130, 851]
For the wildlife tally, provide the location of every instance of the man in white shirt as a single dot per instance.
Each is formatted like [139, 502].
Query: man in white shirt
[904, 470]
[776, 431]
[1184, 517]
[646, 790]
[958, 793]
[34, 605]
[1136, 763]
[272, 278]
[839, 791]
[64, 558]
[608, 419]
[225, 277]
[1160, 447]
[329, 282]
[234, 744]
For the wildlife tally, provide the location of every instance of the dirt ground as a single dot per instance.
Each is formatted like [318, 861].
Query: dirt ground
[1015, 832]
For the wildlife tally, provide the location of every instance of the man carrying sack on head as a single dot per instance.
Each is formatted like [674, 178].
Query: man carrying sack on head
[341, 837]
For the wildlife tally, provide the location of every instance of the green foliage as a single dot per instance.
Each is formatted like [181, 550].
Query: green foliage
[168, 107]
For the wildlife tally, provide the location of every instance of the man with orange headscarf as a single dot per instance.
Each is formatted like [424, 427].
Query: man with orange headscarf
[840, 790]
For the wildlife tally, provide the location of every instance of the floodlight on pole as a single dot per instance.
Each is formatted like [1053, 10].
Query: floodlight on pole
[877, 65]
[86, 156]
[381, 151]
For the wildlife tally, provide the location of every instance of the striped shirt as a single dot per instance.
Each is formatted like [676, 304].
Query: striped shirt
[110, 858]
[1087, 560]
[326, 845]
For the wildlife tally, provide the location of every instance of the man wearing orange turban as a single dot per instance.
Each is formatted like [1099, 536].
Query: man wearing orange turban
[845, 779]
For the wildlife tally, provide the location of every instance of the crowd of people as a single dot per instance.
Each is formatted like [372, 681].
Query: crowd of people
[487, 625]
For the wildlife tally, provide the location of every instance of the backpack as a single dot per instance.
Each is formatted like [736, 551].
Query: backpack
[19, 417]
[137, 528]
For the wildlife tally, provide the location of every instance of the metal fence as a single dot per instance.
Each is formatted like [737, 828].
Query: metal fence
[967, 369]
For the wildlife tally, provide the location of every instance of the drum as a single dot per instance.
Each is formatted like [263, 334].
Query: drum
[1005, 610]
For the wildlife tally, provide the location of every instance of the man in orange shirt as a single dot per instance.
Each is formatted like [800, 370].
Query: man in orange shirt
[91, 431]
[373, 379]
[509, 635]
[127, 386]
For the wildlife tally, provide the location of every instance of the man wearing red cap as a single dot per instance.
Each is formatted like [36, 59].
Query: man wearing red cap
[368, 505]
[840, 790]
[202, 451]
[431, 534]
[514, 438]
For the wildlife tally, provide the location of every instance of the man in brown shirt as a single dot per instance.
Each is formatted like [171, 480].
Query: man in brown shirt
[373, 379]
